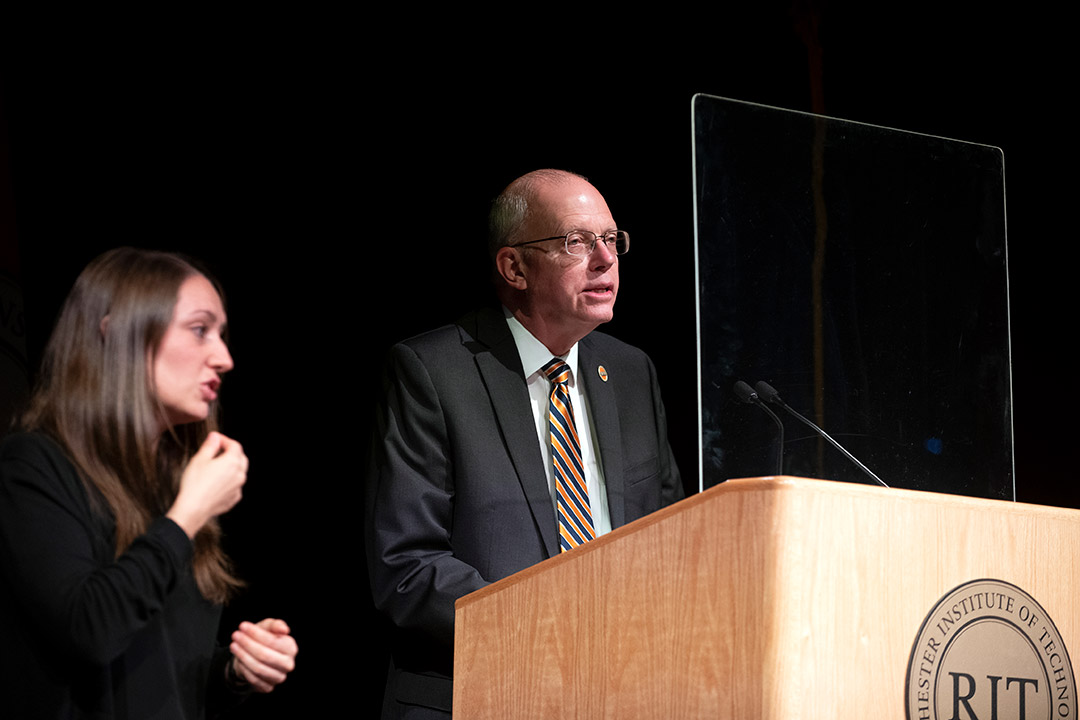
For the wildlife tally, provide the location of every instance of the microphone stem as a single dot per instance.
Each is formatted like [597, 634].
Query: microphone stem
[780, 425]
[835, 444]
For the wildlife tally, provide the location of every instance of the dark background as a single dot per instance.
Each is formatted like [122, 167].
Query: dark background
[334, 172]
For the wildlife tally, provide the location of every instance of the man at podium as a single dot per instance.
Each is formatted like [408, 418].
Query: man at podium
[512, 435]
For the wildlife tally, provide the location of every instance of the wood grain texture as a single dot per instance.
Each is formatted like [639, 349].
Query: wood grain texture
[762, 598]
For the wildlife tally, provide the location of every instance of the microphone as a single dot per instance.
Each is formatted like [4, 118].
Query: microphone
[745, 393]
[768, 393]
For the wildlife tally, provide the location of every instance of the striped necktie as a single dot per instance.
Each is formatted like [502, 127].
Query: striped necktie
[572, 494]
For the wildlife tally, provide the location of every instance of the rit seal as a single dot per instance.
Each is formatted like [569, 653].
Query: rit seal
[989, 651]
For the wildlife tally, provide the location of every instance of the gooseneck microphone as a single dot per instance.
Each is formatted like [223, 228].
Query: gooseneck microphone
[768, 393]
[744, 392]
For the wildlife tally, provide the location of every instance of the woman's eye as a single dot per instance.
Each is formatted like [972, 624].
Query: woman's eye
[200, 331]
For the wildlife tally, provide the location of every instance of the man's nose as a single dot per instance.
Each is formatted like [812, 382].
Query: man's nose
[602, 255]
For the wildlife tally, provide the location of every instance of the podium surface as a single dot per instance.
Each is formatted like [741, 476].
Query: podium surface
[765, 598]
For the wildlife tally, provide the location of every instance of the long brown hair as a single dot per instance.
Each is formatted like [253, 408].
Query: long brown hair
[95, 397]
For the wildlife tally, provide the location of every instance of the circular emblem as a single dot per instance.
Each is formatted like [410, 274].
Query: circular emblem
[601, 372]
[988, 651]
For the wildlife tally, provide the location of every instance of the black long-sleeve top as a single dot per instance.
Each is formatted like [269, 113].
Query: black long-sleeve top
[84, 634]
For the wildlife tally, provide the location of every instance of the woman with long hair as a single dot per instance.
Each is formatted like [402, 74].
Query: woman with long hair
[112, 575]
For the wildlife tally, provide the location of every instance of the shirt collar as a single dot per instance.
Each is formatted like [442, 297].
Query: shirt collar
[533, 353]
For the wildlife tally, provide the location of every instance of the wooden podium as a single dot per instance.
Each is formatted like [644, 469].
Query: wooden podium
[762, 598]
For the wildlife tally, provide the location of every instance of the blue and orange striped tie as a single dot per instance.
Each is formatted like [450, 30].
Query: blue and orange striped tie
[572, 494]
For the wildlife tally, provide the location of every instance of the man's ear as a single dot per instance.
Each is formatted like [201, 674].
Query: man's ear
[510, 267]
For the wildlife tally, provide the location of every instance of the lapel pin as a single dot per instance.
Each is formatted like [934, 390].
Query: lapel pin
[601, 372]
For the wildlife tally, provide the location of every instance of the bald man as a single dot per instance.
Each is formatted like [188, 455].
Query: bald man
[511, 436]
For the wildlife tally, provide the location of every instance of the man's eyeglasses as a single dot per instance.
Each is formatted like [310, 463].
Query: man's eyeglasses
[583, 242]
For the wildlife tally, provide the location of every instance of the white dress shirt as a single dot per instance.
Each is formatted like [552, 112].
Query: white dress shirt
[534, 355]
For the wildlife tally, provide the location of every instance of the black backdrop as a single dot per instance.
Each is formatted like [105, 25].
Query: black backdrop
[334, 172]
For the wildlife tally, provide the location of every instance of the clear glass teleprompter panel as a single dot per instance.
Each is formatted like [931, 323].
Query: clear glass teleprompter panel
[862, 272]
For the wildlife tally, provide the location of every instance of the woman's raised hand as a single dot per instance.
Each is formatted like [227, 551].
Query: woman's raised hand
[211, 484]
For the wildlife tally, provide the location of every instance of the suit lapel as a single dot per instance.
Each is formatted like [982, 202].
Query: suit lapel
[504, 378]
[605, 422]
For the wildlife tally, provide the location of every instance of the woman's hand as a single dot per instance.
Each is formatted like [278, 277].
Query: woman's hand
[264, 653]
[211, 483]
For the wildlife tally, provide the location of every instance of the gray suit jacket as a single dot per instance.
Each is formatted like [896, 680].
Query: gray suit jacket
[457, 494]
